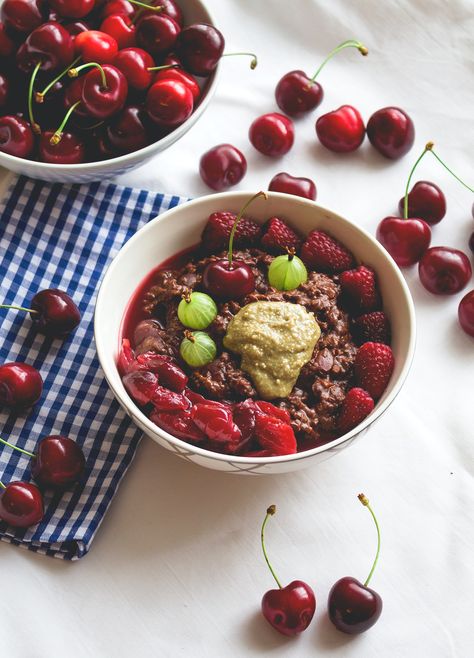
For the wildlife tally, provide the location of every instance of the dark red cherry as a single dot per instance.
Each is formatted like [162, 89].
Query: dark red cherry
[72, 8]
[425, 201]
[169, 8]
[96, 46]
[58, 463]
[222, 166]
[51, 44]
[117, 7]
[121, 28]
[466, 313]
[127, 132]
[157, 33]
[406, 240]
[391, 131]
[56, 313]
[471, 242]
[224, 281]
[23, 15]
[272, 134]
[102, 102]
[134, 64]
[353, 607]
[288, 184]
[77, 27]
[180, 75]
[70, 150]
[16, 136]
[342, 130]
[4, 90]
[444, 271]
[7, 46]
[169, 102]
[289, 609]
[72, 95]
[199, 47]
[21, 504]
[20, 385]
[296, 94]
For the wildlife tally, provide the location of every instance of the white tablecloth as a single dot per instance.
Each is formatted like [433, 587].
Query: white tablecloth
[176, 569]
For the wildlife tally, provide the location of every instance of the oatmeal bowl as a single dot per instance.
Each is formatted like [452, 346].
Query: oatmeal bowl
[254, 333]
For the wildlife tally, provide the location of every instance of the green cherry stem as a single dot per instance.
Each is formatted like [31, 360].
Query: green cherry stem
[74, 72]
[270, 512]
[164, 67]
[39, 95]
[365, 501]
[10, 445]
[238, 218]
[56, 138]
[144, 5]
[451, 172]
[34, 126]
[253, 62]
[2, 485]
[18, 308]
[351, 43]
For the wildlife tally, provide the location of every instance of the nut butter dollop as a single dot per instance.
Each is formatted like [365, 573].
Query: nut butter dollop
[275, 340]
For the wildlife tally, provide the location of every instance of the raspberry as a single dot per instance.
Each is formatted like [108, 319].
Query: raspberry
[373, 367]
[359, 288]
[373, 326]
[356, 406]
[323, 253]
[215, 236]
[278, 236]
[274, 435]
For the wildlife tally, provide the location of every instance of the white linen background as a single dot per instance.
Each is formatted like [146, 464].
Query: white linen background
[176, 569]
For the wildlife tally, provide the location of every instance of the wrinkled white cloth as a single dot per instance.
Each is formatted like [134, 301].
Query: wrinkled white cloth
[176, 569]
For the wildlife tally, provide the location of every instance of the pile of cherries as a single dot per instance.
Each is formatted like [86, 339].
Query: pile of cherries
[58, 461]
[87, 80]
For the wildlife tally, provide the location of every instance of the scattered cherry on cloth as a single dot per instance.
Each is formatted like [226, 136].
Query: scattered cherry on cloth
[52, 312]
[21, 385]
[21, 504]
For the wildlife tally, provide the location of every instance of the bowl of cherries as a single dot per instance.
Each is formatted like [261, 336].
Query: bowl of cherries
[254, 332]
[93, 88]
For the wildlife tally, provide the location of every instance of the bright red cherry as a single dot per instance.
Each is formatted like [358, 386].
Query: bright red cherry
[168, 8]
[23, 15]
[288, 184]
[117, 7]
[70, 150]
[272, 134]
[444, 271]
[21, 504]
[121, 28]
[180, 75]
[7, 46]
[342, 130]
[72, 8]
[135, 64]
[55, 313]
[59, 462]
[425, 201]
[391, 131]
[127, 131]
[104, 91]
[157, 33]
[169, 102]
[49, 44]
[406, 240]
[96, 46]
[222, 166]
[20, 385]
[466, 313]
[16, 136]
[199, 47]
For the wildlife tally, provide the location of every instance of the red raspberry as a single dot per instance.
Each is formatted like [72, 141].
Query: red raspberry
[373, 326]
[356, 406]
[274, 435]
[359, 288]
[215, 236]
[373, 367]
[278, 236]
[323, 253]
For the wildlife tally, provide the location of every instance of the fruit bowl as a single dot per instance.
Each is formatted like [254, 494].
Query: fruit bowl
[194, 11]
[180, 228]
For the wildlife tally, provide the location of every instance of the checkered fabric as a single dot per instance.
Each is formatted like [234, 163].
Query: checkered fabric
[64, 236]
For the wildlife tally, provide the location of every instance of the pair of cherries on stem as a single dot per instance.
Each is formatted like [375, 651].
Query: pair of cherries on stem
[353, 607]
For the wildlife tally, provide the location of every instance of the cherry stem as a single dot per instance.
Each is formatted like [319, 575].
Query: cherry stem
[238, 218]
[253, 62]
[56, 138]
[2, 485]
[164, 67]
[34, 126]
[74, 72]
[365, 501]
[351, 43]
[18, 308]
[10, 445]
[270, 512]
[452, 172]
[145, 5]
[39, 95]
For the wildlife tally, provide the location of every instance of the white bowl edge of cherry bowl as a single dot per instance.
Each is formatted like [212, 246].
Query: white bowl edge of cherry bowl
[195, 11]
[181, 227]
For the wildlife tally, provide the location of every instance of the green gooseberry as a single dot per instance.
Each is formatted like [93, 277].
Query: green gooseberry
[287, 272]
[197, 310]
[197, 348]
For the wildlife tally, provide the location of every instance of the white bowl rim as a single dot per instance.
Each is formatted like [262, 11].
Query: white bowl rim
[126, 401]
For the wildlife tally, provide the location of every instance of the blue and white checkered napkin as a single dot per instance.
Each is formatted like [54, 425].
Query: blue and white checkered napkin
[64, 236]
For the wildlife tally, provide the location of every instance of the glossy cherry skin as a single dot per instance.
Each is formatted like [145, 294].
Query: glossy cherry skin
[99, 102]
[118, 8]
[23, 15]
[169, 102]
[222, 166]
[223, 281]
[134, 64]
[426, 201]
[16, 136]
[127, 131]
[20, 385]
[70, 150]
[96, 46]
[7, 46]
[272, 134]
[471, 242]
[200, 47]
[342, 130]
[72, 8]
[4, 90]
[57, 315]
[59, 462]
[51, 44]
[21, 504]
[444, 271]
[77, 27]
[391, 131]
[466, 313]
[180, 75]
[169, 8]
[406, 240]
[157, 33]
[72, 94]
[288, 184]
[297, 95]
[352, 607]
[121, 28]
[289, 609]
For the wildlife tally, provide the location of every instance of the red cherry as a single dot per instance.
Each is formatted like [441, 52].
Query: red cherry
[16, 136]
[352, 607]
[222, 166]
[272, 134]
[7, 46]
[23, 15]
[157, 33]
[471, 242]
[444, 271]
[406, 240]
[134, 64]
[288, 184]
[21, 504]
[216, 422]
[127, 131]
[224, 281]
[180, 75]
[96, 46]
[77, 27]
[121, 28]
[51, 44]
[117, 7]
[391, 131]
[169, 102]
[20, 385]
[72, 8]
[296, 94]
[70, 150]
[56, 314]
[199, 47]
[72, 95]
[168, 8]
[103, 100]
[342, 130]
[466, 313]
[4, 90]
[59, 462]
[425, 201]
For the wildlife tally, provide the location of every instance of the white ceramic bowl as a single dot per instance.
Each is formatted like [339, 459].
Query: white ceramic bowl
[194, 12]
[181, 227]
